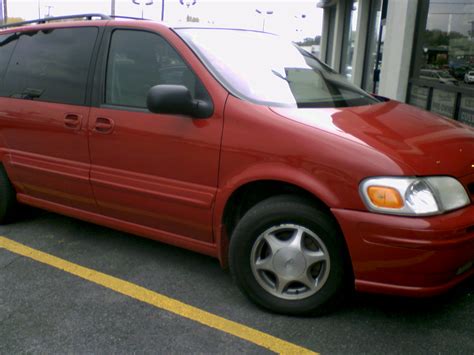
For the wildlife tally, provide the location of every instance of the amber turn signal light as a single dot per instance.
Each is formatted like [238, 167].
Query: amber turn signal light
[385, 197]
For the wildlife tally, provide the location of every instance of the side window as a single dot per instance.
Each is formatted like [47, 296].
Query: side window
[51, 65]
[138, 61]
[7, 44]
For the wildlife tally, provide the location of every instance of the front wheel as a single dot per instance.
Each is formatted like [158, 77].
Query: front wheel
[288, 256]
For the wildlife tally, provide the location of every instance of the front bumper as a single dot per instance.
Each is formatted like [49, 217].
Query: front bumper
[410, 256]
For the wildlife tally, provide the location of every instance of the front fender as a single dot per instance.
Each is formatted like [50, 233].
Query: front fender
[265, 172]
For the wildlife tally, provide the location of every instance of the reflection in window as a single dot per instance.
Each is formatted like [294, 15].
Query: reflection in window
[330, 34]
[7, 44]
[374, 49]
[138, 61]
[349, 40]
[57, 72]
[447, 51]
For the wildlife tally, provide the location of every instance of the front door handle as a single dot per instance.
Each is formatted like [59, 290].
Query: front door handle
[104, 125]
[72, 121]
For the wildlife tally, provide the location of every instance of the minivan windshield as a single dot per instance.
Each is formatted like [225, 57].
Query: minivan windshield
[265, 69]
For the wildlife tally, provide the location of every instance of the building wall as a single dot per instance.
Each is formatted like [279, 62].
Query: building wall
[398, 48]
[415, 51]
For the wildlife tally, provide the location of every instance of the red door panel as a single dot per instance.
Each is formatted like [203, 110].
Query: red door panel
[48, 150]
[156, 170]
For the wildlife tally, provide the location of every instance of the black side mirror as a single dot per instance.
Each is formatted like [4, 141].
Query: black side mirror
[176, 99]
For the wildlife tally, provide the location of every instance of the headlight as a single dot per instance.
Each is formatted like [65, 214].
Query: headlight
[412, 195]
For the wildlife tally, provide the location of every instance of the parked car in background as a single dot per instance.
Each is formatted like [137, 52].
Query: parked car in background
[439, 75]
[469, 77]
[238, 145]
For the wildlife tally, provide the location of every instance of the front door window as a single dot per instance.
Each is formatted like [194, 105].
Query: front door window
[138, 61]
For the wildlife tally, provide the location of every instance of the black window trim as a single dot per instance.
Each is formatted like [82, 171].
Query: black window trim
[93, 66]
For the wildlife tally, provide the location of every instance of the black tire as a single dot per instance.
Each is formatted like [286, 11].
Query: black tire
[290, 214]
[8, 203]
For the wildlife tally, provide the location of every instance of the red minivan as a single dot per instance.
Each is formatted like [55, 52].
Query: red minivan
[238, 145]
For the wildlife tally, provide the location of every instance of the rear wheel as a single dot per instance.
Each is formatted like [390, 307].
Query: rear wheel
[288, 256]
[8, 203]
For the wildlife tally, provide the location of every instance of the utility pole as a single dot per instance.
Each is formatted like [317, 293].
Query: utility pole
[188, 3]
[49, 7]
[112, 8]
[142, 4]
[264, 15]
[302, 17]
[5, 14]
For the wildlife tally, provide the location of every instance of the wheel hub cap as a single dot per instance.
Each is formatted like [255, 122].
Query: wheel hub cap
[289, 262]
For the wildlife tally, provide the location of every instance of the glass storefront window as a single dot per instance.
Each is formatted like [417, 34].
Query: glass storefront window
[443, 70]
[374, 49]
[349, 39]
[446, 55]
[466, 111]
[419, 96]
[331, 29]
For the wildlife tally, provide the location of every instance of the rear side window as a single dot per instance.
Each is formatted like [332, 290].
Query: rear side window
[7, 44]
[138, 61]
[51, 65]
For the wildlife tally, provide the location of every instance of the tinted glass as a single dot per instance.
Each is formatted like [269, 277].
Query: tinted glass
[374, 47]
[349, 39]
[447, 45]
[51, 65]
[265, 69]
[7, 44]
[140, 60]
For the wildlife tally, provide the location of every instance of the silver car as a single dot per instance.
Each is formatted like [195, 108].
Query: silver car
[469, 77]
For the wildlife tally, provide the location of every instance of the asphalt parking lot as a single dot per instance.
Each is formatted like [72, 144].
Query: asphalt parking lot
[49, 310]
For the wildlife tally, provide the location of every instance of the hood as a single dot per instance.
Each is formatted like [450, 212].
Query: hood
[429, 144]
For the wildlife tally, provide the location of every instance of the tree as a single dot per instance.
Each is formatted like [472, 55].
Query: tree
[310, 41]
[437, 38]
[14, 19]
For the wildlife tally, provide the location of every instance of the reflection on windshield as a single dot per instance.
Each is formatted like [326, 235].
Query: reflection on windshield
[265, 69]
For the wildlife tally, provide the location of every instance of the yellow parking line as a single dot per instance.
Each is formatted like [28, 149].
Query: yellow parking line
[155, 299]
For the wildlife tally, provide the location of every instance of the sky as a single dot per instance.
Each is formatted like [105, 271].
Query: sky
[454, 15]
[295, 20]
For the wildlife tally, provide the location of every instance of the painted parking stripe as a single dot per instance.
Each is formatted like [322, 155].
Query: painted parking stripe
[155, 299]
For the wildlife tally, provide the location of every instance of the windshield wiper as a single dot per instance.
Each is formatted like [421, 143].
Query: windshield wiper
[279, 75]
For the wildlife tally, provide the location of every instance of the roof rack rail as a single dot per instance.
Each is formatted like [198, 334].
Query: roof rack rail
[129, 18]
[59, 18]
